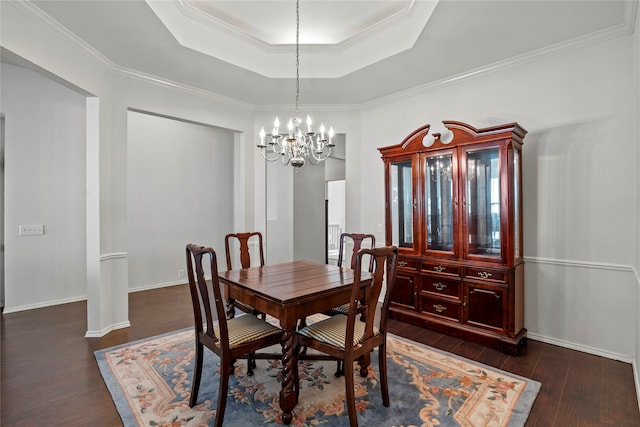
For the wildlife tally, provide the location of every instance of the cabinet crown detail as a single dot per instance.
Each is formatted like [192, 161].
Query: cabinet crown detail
[453, 205]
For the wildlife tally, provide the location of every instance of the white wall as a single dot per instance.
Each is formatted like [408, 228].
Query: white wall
[278, 189]
[580, 194]
[180, 190]
[45, 184]
[28, 34]
[309, 213]
[294, 212]
[636, 90]
[336, 197]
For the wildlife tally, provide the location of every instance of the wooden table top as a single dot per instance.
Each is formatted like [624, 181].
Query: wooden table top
[291, 282]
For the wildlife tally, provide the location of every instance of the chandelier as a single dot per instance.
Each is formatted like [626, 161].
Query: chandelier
[297, 144]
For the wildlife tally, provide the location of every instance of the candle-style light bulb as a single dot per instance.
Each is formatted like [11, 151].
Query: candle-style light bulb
[290, 127]
[331, 133]
[262, 134]
[276, 125]
[321, 130]
[309, 123]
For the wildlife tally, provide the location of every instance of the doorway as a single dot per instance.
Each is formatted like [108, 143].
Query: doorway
[336, 218]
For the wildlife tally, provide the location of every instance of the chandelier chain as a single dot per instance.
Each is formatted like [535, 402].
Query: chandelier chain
[297, 54]
[299, 143]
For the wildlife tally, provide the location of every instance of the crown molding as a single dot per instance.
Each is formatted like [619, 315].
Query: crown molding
[63, 33]
[593, 38]
[578, 42]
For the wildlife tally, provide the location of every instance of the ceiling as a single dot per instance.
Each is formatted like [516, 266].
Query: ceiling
[351, 52]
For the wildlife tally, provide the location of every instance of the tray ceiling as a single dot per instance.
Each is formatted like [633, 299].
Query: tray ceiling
[242, 49]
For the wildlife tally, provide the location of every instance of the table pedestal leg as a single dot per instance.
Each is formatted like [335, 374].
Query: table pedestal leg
[287, 393]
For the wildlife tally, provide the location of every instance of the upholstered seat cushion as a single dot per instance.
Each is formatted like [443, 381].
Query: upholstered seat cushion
[333, 331]
[343, 309]
[247, 328]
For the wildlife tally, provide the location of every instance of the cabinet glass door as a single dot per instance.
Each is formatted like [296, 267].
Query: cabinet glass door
[401, 204]
[439, 202]
[483, 202]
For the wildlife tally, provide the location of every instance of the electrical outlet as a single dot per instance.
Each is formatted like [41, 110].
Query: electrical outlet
[31, 230]
[181, 274]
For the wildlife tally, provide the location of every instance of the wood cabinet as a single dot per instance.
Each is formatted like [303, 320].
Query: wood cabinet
[454, 208]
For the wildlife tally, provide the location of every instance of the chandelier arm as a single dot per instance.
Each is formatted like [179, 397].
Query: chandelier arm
[320, 157]
[266, 156]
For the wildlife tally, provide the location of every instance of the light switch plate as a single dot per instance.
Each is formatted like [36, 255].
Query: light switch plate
[31, 230]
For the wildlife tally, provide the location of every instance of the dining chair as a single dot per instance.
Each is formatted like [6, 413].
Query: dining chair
[358, 239]
[243, 240]
[351, 337]
[230, 339]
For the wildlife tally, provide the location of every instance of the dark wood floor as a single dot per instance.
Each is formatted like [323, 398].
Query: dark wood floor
[50, 376]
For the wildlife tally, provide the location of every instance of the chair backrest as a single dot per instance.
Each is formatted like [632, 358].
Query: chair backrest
[384, 264]
[358, 239]
[245, 256]
[206, 295]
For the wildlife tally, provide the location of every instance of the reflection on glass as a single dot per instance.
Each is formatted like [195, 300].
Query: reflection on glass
[401, 204]
[439, 203]
[483, 202]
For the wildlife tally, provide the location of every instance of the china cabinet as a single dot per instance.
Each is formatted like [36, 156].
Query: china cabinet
[454, 208]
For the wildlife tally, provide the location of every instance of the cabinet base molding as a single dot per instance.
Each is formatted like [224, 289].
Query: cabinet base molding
[506, 344]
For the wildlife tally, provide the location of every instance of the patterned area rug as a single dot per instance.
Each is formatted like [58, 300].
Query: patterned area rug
[149, 381]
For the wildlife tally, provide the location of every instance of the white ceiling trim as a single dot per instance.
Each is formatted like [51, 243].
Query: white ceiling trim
[63, 33]
[57, 29]
[197, 30]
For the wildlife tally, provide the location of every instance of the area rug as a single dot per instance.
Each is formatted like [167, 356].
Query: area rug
[150, 383]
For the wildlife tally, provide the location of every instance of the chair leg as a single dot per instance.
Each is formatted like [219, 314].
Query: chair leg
[364, 367]
[251, 364]
[302, 324]
[350, 394]
[227, 367]
[197, 374]
[339, 368]
[382, 364]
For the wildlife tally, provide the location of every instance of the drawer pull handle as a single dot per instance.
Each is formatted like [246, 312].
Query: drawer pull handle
[439, 268]
[484, 274]
[402, 263]
[439, 286]
[439, 307]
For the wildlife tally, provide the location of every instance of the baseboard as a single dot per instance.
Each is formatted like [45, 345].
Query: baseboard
[636, 379]
[105, 331]
[157, 286]
[43, 304]
[582, 348]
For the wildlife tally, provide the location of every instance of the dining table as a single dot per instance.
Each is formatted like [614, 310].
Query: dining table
[289, 291]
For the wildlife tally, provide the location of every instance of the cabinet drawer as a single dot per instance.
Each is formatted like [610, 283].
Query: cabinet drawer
[440, 307]
[434, 267]
[408, 264]
[486, 274]
[438, 285]
[403, 291]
